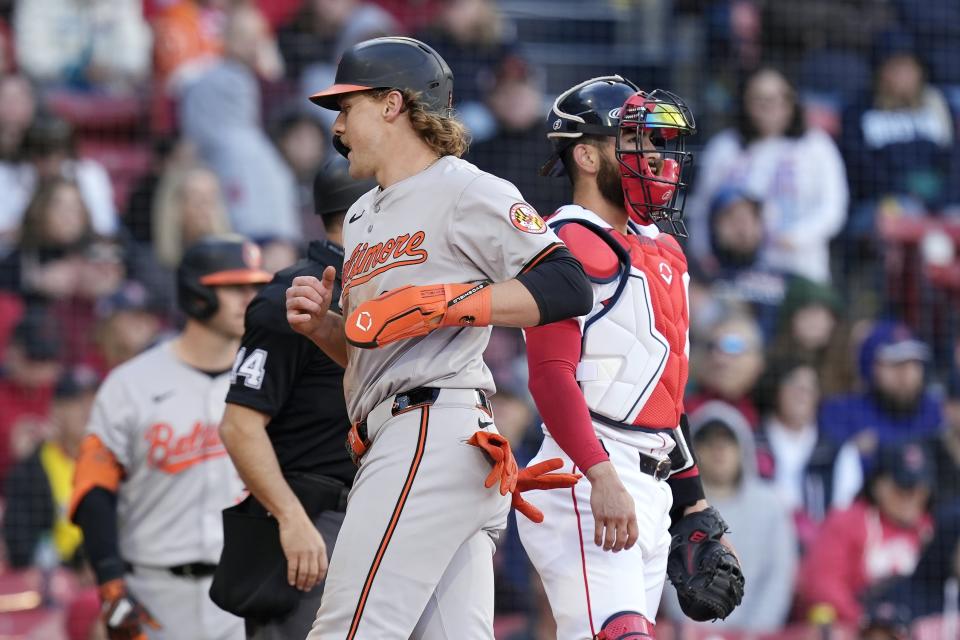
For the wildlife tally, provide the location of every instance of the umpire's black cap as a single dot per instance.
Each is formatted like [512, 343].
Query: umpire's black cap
[391, 63]
[334, 190]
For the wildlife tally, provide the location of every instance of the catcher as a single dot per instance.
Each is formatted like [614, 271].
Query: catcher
[609, 385]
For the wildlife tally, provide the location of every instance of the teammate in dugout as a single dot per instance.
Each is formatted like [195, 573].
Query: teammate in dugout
[153, 476]
[609, 384]
[414, 556]
[285, 423]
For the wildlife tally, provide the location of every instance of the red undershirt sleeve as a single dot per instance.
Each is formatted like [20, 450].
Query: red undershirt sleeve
[553, 352]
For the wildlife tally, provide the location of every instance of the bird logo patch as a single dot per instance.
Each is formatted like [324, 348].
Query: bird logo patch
[526, 219]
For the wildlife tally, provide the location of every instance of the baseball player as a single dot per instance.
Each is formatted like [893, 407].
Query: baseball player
[435, 254]
[152, 476]
[609, 384]
[285, 417]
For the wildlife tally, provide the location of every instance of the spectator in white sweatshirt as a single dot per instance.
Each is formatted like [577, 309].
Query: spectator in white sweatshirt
[796, 172]
[220, 113]
[83, 44]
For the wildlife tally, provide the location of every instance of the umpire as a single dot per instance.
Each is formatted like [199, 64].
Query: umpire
[284, 427]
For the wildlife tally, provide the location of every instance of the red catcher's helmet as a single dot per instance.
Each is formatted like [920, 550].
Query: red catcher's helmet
[653, 196]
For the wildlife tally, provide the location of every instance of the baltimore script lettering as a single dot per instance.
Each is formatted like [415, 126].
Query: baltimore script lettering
[367, 261]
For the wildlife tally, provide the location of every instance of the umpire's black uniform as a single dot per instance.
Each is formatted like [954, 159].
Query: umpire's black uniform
[285, 376]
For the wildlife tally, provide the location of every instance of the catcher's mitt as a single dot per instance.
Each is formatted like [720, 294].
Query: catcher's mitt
[706, 574]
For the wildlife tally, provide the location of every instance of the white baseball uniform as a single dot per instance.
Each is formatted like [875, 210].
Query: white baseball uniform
[632, 369]
[159, 418]
[413, 559]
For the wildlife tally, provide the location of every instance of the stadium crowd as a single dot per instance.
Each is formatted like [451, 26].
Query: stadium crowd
[824, 219]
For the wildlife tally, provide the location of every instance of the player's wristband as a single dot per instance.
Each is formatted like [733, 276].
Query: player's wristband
[470, 306]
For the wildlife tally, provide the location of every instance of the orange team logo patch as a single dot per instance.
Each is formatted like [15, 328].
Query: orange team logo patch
[526, 219]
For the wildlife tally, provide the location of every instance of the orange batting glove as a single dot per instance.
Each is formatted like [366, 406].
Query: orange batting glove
[539, 477]
[413, 311]
[505, 468]
[516, 480]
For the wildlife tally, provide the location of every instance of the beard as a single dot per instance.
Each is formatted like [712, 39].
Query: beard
[900, 405]
[608, 182]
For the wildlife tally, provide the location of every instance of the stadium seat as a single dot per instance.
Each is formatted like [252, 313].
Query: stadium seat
[97, 112]
[125, 162]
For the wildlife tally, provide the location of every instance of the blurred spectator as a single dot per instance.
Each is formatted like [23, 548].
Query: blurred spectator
[809, 325]
[803, 465]
[885, 620]
[49, 152]
[38, 487]
[825, 43]
[221, 113]
[475, 39]
[169, 154]
[188, 205]
[18, 107]
[760, 524]
[100, 271]
[733, 268]
[30, 371]
[94, 44]
[188, 36]
[935, 26]
[895, 406]
[730, 366]
[899, 142]
[127, 323]
[323, 29]
[796, 172]
[516, 103]
[304, 144]
[56, 231]
[944, 446]
[859, 550]
[925, 592]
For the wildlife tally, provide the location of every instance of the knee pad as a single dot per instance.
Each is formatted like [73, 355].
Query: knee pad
[626, 625]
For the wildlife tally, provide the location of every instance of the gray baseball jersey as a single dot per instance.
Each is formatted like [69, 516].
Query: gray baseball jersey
[159, 417]
[449, 223]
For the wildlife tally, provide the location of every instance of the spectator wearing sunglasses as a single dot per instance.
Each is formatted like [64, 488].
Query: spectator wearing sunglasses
[729, 365]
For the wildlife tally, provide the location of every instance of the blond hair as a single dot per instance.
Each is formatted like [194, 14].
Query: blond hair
[167, 216]
[443, 133]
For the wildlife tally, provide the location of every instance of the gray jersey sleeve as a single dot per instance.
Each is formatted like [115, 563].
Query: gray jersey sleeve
[113, 418]
[495, 230]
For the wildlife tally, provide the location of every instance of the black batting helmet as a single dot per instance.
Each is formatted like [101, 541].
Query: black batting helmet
[216, 261]
[589, 108]
[391, 63]
[334, 190]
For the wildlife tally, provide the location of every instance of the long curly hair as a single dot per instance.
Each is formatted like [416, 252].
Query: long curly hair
[446, 135]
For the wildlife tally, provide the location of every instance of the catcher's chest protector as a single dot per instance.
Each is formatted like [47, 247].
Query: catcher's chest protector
[635, 353]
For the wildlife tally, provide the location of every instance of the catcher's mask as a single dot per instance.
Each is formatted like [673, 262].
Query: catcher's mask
[654, 182]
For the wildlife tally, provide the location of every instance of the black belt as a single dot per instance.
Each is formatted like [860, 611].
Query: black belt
[188, 570]
[357, 440]
[659, 468]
